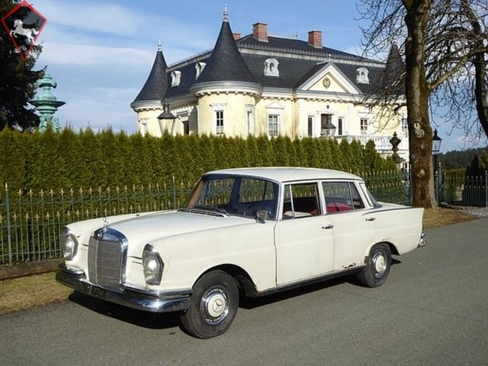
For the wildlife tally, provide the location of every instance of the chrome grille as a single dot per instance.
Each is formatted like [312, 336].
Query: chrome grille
[107, 254]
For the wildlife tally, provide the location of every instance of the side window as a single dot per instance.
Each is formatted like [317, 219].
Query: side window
[301, 200]
[341, 196]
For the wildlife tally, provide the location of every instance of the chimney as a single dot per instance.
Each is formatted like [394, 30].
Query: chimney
[236, 36]
[315, 39]
[260, 32]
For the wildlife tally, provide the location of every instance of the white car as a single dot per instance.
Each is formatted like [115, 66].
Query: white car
[244, 232]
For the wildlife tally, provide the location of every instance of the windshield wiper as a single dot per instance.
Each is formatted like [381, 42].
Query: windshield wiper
[212, 208]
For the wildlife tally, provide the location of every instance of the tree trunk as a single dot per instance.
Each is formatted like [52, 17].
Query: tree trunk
[417, 94]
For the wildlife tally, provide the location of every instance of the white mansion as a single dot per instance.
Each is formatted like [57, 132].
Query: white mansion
[261, 84]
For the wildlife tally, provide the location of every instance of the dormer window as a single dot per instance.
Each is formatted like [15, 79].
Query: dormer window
[271, 67]
[362, 75]
[199, 66]
[175, 78]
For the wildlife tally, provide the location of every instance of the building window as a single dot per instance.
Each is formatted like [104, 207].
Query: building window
[364, 125]
[219, 122]
[405, 126]
[310, 126]
[273, 125]
[186, 127]
[175, 78]
[199, 66]
[271, 67]
[325, 123]
[340, 126]
[362, 75]
[250, 120]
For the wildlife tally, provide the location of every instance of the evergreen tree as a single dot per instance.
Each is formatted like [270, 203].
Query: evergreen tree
[14, 155]
[356, 156]
[74, 166]
[47, 167]
[347, 158]
[17, 87]
[114, 162]
[92, 155]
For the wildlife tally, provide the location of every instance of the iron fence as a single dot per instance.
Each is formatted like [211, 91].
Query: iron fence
[31, 222]
[463, 190]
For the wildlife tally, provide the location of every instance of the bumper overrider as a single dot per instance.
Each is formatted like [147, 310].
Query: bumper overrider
[154, 303]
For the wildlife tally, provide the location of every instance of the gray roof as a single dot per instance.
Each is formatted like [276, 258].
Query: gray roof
[226, 62]
[243, 61]
[157, 82]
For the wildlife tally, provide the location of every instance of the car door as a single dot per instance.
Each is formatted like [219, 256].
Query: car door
[353, 223]
[303, 235]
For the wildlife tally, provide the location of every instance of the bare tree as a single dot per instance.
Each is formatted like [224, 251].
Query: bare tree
[444, 44]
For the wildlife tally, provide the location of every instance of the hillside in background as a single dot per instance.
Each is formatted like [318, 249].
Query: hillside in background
[459, 159]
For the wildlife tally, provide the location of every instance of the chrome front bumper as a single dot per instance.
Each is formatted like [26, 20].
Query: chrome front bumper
[136, 300]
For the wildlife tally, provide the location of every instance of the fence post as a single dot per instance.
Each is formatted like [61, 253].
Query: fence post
[9, 236]
[486, 188]
[174, 193]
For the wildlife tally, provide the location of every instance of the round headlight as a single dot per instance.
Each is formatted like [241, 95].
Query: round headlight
[153, 265]
[69, 244]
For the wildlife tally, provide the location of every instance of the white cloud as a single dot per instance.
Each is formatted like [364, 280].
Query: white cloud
[92, 17]
[81, 55]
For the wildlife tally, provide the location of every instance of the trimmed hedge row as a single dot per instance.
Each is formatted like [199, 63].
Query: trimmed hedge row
[85, 159]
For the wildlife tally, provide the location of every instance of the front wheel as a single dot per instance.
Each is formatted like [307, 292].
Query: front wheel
[378, 266]
[213, 305]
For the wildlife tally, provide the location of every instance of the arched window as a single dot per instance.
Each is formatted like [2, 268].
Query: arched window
[175, 78]
[199, 66]
[362, 75]
[271, 67]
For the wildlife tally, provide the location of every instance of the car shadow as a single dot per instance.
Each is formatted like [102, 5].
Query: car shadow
[172, 319]
[136, 317]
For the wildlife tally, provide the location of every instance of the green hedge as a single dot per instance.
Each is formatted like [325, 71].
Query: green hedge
[85, 159]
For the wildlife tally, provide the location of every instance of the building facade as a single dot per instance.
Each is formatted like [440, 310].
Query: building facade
[260, 84]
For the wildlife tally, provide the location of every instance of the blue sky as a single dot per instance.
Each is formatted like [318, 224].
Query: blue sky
[101, 52]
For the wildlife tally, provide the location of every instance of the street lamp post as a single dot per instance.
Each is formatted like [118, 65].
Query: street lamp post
[436, 147]
[166, 115]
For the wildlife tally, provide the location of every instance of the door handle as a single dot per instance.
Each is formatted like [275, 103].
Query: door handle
[330, 226]
[371, 219]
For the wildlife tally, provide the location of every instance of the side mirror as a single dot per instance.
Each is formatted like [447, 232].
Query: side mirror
[261, 216]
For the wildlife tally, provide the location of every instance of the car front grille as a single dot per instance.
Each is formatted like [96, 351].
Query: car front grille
[107, 256]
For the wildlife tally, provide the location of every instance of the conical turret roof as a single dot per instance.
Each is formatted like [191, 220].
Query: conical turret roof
[156, 84]
[226, 62]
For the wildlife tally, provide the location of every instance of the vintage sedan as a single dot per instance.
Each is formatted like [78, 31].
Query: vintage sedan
[243, 232]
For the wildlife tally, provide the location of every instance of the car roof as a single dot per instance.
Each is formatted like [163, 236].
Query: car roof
[287, 174]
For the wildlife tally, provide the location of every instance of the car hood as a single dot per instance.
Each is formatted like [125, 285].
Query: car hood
[140, 229]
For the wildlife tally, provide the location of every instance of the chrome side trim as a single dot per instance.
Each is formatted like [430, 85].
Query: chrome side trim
[136, 300]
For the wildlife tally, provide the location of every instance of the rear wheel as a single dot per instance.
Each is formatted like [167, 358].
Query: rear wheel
[378, 266]
[213, 305]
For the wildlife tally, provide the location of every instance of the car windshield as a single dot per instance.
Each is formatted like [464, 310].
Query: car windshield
[235, 195]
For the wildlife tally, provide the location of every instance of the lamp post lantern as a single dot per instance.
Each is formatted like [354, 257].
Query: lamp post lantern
[166, 115]
[436, 147]
[329, 129]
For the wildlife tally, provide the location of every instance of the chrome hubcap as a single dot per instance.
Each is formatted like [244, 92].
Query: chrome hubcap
[214, 306]
[379, 264]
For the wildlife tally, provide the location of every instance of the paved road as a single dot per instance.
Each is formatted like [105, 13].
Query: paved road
[433, 310]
